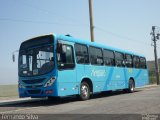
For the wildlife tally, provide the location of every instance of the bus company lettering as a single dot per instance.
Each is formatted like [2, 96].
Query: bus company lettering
[130, 70]
[98, 73]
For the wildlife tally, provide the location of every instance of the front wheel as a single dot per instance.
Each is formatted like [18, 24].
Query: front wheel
[84, 91]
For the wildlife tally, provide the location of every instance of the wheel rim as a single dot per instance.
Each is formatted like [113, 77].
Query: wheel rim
[84, 91]
[131, 86]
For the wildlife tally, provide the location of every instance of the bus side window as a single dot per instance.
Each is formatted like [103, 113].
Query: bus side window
[129, 61]
[119, 59]
[108, 56]
[96, 56]
[82, 56]
[136, 62]
[143, 63]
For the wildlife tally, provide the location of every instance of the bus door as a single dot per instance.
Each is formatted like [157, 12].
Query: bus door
[82, 60]
[67, 83]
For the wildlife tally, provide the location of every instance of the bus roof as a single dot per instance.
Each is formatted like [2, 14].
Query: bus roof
[95, 44]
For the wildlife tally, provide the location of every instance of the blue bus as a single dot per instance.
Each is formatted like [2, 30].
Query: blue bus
[57, 65]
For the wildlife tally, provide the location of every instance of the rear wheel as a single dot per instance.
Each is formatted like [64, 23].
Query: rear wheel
[84, 91]
[131, 86]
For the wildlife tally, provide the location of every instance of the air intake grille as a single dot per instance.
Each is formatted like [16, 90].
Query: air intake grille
[34, 81]
[34, 91]
[35, 86]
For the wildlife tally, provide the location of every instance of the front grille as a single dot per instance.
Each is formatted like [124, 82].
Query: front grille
[34, 81]
[34, 86]
[34, 91]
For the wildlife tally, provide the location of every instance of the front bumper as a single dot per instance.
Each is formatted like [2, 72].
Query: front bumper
[38, 92]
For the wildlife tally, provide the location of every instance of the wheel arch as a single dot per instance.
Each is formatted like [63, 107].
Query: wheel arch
[131, 78]
[90, 83]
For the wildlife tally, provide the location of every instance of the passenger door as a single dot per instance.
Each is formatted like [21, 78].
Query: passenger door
[67, 83]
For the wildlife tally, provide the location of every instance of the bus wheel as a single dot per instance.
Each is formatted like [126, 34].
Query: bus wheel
[84, 91]
[131, 86]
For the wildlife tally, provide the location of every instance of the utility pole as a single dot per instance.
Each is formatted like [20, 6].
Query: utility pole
[91, 21]
[154, 38]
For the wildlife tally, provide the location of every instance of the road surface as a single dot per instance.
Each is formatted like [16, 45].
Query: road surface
[143, 101]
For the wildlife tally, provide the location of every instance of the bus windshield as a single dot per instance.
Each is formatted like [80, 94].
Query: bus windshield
[36, 61]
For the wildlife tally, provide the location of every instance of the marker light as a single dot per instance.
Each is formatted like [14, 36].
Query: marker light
[50, 82]
[49, 91]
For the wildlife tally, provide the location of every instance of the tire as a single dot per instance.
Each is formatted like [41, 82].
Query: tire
[84, 91]
[131, 86]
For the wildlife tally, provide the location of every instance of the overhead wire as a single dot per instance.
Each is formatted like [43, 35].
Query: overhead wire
[71, 19]
[55, 23]
[52, 13]
[120, 36]
[38, 22]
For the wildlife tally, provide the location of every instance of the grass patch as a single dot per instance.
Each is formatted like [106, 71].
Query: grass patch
[8, 90]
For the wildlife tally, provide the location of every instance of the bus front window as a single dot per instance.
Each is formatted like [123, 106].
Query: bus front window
[36, 61]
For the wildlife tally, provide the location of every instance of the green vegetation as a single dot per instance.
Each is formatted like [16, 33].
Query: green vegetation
[151, 68]
[8, 90]
[152, 77]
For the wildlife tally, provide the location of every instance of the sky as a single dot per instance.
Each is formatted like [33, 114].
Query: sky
[124, 24]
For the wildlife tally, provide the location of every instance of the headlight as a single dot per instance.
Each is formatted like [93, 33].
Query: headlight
[50, 82]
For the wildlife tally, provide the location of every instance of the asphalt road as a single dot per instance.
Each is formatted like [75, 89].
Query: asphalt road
[143, 101]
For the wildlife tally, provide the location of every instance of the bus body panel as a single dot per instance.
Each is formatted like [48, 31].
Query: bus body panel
[141, 77]
[68, 81]
[97, 75]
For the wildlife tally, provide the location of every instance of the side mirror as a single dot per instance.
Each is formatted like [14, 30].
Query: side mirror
[13, 57]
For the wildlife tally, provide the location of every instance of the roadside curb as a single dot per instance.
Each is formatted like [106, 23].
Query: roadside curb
[148, 86]
[20, 100]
